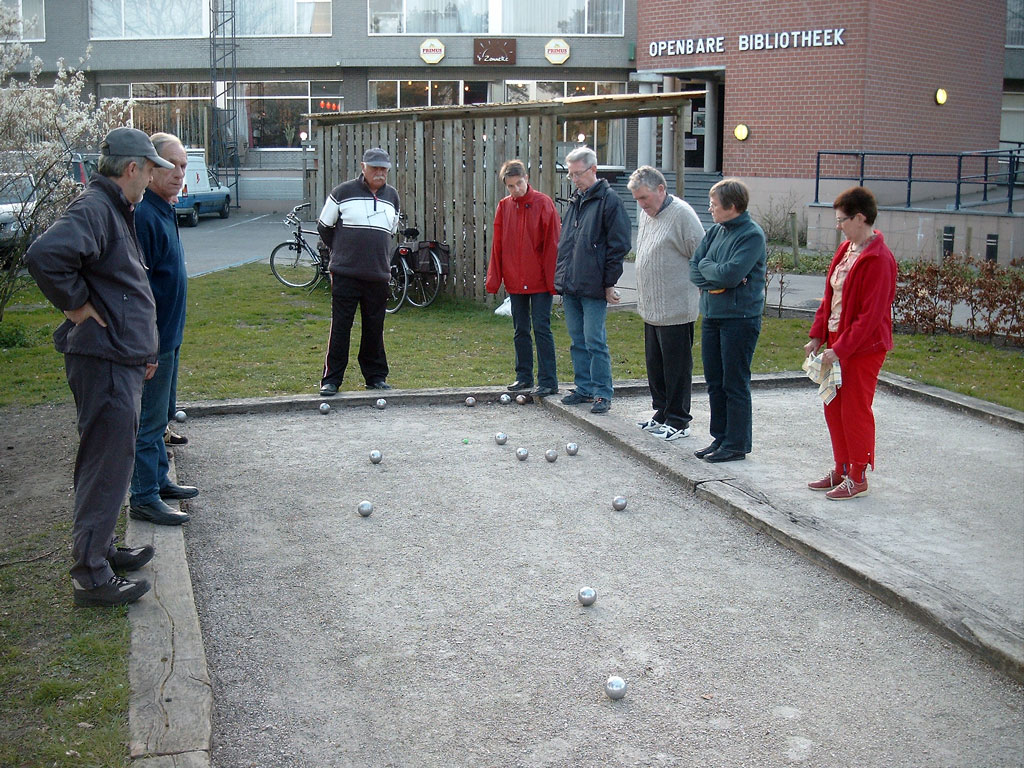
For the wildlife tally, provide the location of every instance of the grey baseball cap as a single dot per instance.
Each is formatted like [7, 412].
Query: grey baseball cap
[377, 157]
[131, 142]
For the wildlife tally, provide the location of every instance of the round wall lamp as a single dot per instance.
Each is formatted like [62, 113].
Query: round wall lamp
[741, 132]
[941, 96]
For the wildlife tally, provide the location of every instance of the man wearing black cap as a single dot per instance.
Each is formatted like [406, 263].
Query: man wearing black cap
[357, 223]
[88, 264]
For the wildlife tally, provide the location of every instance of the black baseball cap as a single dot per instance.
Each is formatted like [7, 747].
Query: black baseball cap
[131, 142]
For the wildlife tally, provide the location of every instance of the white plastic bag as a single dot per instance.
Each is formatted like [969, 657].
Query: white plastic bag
[505, 308]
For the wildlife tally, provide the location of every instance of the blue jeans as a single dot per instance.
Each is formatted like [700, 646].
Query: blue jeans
[591, 362]
[150, 473]
[535, 308]
[727, 347]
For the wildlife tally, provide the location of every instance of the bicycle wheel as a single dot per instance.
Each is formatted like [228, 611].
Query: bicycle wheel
[294, 266]
[423, 286]
[398, 286]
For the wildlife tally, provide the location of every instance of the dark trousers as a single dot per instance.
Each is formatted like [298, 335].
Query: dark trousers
[727, 347]
[534, 309]
[669, 352]
[151, 465]
[371, 297]
[107, 399]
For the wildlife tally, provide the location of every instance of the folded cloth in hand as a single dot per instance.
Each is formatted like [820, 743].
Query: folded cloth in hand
[828, 379]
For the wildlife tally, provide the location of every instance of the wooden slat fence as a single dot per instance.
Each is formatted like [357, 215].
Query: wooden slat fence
[446, 160]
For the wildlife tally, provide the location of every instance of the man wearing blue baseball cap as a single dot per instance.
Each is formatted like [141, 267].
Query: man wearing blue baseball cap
[88, 264]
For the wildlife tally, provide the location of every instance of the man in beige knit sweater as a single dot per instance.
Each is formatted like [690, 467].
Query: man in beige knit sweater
[668, 234]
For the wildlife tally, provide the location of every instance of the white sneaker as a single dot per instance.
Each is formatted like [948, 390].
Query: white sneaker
[649, 426]
[665, 432]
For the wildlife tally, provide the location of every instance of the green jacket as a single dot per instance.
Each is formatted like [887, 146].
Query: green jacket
[729, 268]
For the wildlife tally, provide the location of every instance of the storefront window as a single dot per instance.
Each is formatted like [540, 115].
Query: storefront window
[391, 94]
[508, 17]
[269, 114]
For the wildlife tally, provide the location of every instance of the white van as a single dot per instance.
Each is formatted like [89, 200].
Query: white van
[202, 192]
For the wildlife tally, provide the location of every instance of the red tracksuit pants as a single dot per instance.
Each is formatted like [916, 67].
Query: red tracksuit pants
[850, 420]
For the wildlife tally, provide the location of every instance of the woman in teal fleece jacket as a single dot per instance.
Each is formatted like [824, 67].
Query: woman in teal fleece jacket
[729, 269]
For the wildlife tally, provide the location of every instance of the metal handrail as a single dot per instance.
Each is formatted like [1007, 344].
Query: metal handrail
[1012, 157]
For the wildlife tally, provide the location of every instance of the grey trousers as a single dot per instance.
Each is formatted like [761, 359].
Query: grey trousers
[107, 397]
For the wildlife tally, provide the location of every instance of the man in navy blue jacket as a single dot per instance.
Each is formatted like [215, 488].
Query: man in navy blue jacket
[595, 238]
[157, 226]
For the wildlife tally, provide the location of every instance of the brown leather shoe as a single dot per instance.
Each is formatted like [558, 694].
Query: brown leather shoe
[828, 482]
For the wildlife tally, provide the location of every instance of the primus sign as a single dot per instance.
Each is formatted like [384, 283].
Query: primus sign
[757, 41]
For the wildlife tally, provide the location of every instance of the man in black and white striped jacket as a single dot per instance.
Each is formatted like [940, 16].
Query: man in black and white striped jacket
[357, 224]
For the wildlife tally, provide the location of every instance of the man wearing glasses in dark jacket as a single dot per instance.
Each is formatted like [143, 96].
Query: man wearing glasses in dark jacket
[595, 238]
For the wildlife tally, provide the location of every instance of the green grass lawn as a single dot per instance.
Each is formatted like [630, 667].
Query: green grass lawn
[249, 336]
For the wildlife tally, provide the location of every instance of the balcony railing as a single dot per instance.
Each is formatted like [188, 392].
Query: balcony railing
[987, 177]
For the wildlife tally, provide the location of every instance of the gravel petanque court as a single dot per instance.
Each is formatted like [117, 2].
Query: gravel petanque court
[444, 630]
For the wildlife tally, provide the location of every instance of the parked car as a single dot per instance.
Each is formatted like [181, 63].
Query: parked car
[17, 199]
[82, 166]
[202, 192]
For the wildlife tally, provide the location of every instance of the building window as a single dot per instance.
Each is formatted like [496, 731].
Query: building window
[392, 94]
[161, 19]
[32, 15]
[496, 17]
[1015, 23]
[606, 137]
[283, 17]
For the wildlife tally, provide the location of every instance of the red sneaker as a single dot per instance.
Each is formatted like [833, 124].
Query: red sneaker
[832, 480]
[848, 489]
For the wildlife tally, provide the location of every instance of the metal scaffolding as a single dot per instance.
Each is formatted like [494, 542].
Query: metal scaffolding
[225, 141]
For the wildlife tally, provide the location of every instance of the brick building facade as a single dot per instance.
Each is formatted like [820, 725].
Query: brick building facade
[809, 76]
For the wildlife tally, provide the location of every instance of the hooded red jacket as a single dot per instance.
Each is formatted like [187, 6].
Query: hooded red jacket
[524, 247]
[865, 319]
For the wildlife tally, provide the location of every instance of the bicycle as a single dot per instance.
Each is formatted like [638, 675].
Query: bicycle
[421, 266]
[295, 262]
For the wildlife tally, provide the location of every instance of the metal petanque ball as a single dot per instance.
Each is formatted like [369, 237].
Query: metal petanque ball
[180, 416]
[376, 457]
[501, 438]
[551, 454]
[381, 404]
[365, 508]
[619, 503]
[615, 687]
[522, 453]
[521, 399]
[505, 399]
[470, 402]
[587, 595]
[325, 408]
[572, 449]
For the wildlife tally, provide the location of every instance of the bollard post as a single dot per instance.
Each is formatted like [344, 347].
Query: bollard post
[794, 233]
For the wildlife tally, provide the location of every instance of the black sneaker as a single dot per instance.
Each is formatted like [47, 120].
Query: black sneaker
[126, 559]
[328, 390]
[545, 391]
[381, 384]
[117, 591]
[575, 398]
[601, 405]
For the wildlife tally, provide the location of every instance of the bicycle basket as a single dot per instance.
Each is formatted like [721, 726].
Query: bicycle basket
[423, 261]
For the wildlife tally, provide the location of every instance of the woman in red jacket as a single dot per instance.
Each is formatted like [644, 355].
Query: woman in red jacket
[855, 320]
[523, 253]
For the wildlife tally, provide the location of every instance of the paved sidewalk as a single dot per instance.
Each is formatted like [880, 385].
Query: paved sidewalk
[941, 537]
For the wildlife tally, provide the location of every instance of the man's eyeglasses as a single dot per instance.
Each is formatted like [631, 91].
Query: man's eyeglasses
[577, 174]
[841, 219]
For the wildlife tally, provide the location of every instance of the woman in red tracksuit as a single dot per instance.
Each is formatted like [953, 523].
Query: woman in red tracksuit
[855, 320]
[523, 253]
